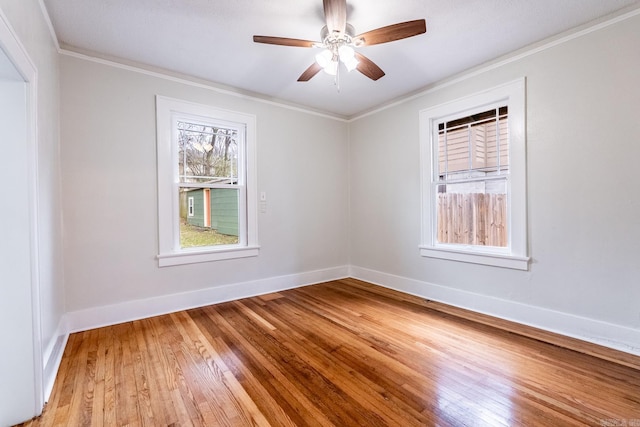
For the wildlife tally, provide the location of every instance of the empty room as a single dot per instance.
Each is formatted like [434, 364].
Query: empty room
[320, 212]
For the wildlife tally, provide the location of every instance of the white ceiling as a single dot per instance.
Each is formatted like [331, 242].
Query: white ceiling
[212, 40]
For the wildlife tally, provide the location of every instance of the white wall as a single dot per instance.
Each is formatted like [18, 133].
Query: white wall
[110, 190]
[26, 19]
[583, 132]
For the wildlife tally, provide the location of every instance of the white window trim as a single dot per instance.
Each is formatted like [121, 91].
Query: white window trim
[515, 254]
[170, 253]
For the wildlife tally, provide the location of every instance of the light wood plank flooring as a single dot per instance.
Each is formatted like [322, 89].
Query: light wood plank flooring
[343, 353]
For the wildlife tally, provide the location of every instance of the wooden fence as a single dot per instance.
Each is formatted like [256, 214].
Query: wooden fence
[472, 219]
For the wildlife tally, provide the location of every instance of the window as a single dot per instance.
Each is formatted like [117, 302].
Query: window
[473, 175]
[206, 183]
[472, 171]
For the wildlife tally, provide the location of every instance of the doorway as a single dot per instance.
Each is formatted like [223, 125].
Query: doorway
[21, 359]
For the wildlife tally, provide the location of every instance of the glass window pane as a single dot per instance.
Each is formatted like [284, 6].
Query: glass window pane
[207, 153]
[208, 217]
[454, 150]
[473, 213]
[473, 146]
[497, 148]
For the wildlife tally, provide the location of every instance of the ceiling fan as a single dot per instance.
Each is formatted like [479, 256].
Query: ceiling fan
[339, 39]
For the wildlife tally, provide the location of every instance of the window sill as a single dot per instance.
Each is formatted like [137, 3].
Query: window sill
[193, 257]
[474, 257]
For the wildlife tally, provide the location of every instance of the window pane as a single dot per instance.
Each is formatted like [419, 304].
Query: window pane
[474, 146]
[207, 153]
[497, 154]
[473, 213]
[208, 217]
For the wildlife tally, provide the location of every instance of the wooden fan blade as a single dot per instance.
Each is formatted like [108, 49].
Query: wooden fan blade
[283, 41]
[391, 33]
[310, 72]
[368, 67]
[335, 13]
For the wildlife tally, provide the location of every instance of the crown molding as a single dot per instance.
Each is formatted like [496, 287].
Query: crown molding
[47, 20]
[191, 81]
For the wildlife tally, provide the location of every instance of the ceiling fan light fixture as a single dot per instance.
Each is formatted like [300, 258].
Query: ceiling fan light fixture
[351, 63]
[331, 68]
[346, 52]
[324, 58]
[348, 57]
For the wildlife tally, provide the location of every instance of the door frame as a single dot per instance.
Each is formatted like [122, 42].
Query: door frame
[17, 54]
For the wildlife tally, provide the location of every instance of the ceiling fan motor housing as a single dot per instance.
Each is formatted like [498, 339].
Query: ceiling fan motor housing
[337, 37]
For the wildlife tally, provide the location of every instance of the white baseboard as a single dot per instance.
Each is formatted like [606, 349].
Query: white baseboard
[52, 356]
[97, 317]
[594, 331]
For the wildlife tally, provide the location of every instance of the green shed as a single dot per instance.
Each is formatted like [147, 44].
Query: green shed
[224, 210]
[215, 208]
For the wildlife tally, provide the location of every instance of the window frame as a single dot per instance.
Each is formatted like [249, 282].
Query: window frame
[514, 256]
[168, 112]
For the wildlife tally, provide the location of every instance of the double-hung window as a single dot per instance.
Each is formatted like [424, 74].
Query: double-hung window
[473, 178]
[206, 183]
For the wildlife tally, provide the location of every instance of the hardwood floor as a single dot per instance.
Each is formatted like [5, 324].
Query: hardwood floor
[343, 353]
